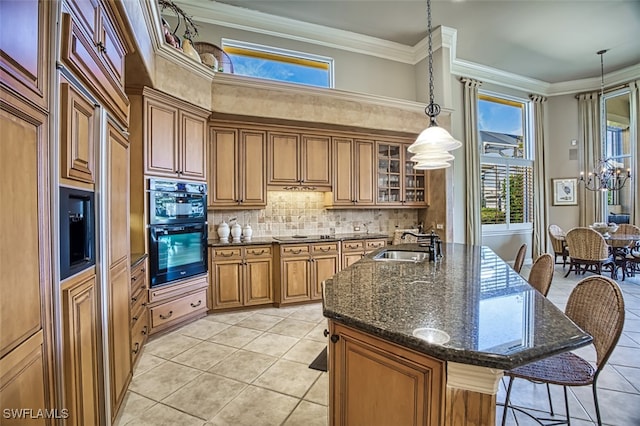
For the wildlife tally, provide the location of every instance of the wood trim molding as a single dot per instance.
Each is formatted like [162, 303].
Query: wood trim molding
[473, 378]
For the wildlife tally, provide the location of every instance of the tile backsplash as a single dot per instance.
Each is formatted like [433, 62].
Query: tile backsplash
[291, 212]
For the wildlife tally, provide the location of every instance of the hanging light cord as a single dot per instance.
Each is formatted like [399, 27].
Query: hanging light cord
[433, 109]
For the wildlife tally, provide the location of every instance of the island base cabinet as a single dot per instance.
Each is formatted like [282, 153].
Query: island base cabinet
[374, 382]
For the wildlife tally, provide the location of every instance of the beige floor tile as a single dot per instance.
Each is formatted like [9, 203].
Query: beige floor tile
[292, 327]
[162, 415]
[271, 344]
[133, 405]
[259, 322]
[319, 392]
[170, 345]
[235, 336]
[317, 333]
[163, 380]
[205, 396]
[146, 362]
[305, 351]
[229, 317]
[291, 378]
[312, 314]
[277, 312]
[243, 365]
[203, 328]
[308, 414]
[255, 406]
[204, 355]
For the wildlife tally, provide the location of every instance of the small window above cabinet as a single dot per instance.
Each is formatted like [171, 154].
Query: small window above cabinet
[398, 184]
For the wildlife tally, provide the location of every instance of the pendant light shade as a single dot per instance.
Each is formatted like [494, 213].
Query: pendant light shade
[433, 143]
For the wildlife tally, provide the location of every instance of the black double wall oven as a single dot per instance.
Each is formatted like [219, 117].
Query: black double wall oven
[177, 230]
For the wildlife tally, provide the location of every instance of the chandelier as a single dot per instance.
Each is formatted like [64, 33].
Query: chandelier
[432, 145]
[607, 175]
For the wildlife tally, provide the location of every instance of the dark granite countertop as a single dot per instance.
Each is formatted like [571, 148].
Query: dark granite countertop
[291, 239]
[493, 318]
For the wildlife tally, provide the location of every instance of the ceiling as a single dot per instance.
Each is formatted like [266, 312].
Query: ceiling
[547, 40]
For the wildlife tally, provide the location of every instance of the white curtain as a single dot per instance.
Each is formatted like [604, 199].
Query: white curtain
[472, 161]
[635, 157]
[540, 211]
[591, 148]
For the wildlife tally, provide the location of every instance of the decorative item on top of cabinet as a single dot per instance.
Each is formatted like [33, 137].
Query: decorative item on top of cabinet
[174, 304]
[398, 183]
[240, 276]
[139, 313]
[301, 268]
[354, 250]
[353, 174]
[94, 44]
[237, 168]
[78, 134]
[299, 161]
[174, 135]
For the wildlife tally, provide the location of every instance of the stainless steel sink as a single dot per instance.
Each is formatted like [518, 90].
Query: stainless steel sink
[401, 256]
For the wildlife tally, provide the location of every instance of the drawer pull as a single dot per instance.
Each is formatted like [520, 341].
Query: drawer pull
[167, 317]
[144, 330]
[226, 255]
[133, 278]
[135, 319]
[133, 299]
[296, 251]
[143, 270]
[323, 249]
[197, 304]
[256, 253]
[135, 351]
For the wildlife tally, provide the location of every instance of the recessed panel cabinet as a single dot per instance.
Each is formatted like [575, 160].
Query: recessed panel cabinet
[353, 168]
[237, 168]
[299, 160]
[175, 137]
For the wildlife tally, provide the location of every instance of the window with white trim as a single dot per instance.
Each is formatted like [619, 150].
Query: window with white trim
[506, 163]
[272, 63]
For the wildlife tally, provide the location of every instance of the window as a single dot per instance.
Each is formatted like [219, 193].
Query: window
[272, 63]
[506, 165]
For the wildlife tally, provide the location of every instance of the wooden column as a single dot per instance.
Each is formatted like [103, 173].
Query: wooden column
[470, 398]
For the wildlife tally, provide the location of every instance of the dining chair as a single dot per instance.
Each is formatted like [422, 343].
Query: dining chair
[596, 305]
[588, 251]
[557, 238]
[517, 264]
[541, 273]
[621, 249]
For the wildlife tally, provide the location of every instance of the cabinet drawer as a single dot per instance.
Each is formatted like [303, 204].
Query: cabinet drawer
[138, 307]
[176, 309]
[139, 334]
[324, 248]
[257, 252]
[227, 253]
[375, 244]
[352, 245]
[294, 250]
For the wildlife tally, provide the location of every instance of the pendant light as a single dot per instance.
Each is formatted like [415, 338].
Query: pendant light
[433, 143]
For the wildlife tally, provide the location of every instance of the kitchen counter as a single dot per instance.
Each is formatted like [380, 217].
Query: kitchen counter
[493, 318]
[292, 239]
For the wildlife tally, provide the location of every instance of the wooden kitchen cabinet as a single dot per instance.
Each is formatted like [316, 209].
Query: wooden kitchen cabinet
[174, 304]
[237, 168]
[299, 160]
[363, 368]
[241, 276]
[175, 137]
[354, 250]
[301, 268]
[398, 184]
[82, 349]
[78, 135]
[139, 312]
[353, 173]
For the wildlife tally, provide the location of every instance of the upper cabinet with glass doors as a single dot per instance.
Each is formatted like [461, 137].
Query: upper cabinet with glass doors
[398, 183]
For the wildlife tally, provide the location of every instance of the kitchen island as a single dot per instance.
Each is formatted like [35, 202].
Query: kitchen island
[426, 342]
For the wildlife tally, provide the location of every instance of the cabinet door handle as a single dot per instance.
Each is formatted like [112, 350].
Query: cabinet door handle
[135, 351]
[325, 332]
[167, 317]
[335, 338]
[196, 305]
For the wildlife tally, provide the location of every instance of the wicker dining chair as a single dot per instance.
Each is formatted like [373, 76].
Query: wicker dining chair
[596, 305]
[541, 273]
[623, 250]
[517, 264]
[588, 251]
[557, 238]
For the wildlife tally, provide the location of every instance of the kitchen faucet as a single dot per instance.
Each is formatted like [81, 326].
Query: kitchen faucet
[434, 245]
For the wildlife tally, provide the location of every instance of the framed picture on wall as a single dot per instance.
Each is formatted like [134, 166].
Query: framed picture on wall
[564, 192]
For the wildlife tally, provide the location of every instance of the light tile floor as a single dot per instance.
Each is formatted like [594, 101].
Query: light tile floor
[251, 368]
